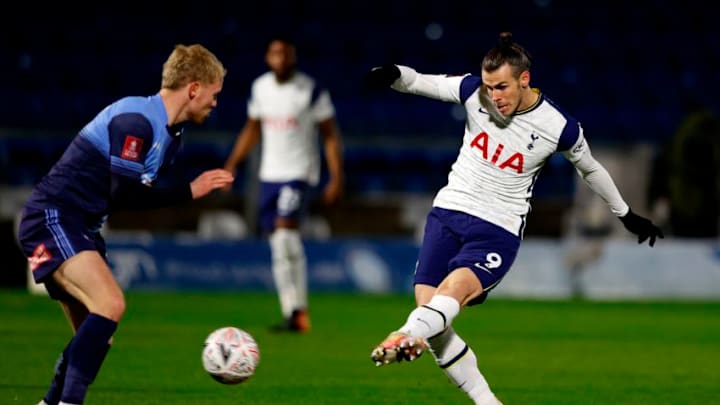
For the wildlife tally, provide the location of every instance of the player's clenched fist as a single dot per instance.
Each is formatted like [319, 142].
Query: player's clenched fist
[210, 180]
[382, 76]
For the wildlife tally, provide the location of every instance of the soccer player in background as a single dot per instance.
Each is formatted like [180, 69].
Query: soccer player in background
[288, 110]
[112, 164]
[475, 226]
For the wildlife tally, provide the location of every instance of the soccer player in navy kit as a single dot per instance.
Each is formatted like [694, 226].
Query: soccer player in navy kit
[112, 164]
[475, 226]
[289, 109]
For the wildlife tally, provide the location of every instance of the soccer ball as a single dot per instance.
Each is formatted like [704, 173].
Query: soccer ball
[230, 355]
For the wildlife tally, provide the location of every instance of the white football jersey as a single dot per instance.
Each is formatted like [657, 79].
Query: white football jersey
[497, 166]
[289, 113]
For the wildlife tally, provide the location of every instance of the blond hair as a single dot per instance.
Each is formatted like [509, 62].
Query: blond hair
[189, 63]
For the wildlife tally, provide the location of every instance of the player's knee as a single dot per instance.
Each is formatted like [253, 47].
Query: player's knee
[286, 244]
[118, 308]
[461, 284]
[278, 245]
[112, 307]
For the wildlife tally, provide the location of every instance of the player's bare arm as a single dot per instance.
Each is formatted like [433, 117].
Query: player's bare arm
[247, 139]
[332, 143]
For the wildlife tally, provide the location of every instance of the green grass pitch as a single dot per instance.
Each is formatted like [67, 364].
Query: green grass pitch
[531, 352]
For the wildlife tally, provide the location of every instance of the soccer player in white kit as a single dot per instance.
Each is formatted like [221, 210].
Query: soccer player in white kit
[289, 109]
[475, 226]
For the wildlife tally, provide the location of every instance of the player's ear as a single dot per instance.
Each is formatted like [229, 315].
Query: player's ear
[193, 89]
[525, 79]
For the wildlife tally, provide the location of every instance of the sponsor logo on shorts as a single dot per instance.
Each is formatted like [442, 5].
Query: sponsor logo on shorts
[483, 268]
[40, 255]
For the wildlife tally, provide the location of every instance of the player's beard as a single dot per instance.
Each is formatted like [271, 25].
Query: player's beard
[495, 115]
[200, 118]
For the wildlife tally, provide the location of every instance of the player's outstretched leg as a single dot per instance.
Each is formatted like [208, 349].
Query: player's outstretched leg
[397, 347]
[459, 363]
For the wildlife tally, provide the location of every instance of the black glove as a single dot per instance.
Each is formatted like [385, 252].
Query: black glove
[642, 227]
[382, 77]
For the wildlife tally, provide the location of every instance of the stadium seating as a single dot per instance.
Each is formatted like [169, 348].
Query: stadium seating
[628, 75]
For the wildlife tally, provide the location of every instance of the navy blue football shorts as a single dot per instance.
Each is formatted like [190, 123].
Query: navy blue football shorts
[454, 240]
[47, 238]
[282, 200]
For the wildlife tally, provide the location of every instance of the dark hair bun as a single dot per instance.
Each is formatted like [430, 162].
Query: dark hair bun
[505, 38]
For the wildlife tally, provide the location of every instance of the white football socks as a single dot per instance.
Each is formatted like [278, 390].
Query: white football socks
[431, 319]
[282, 271]
[289, 269]
[459, 363]
[298, 263]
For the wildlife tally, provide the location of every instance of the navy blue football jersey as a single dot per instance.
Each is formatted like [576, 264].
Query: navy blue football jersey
[127, 144]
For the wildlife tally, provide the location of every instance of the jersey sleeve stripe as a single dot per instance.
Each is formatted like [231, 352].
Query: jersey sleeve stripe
[468, 86]
[125, 167]
[569, 135]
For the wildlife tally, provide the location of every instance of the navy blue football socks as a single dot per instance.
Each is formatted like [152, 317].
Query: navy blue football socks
[52, 397]
[85, 354]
